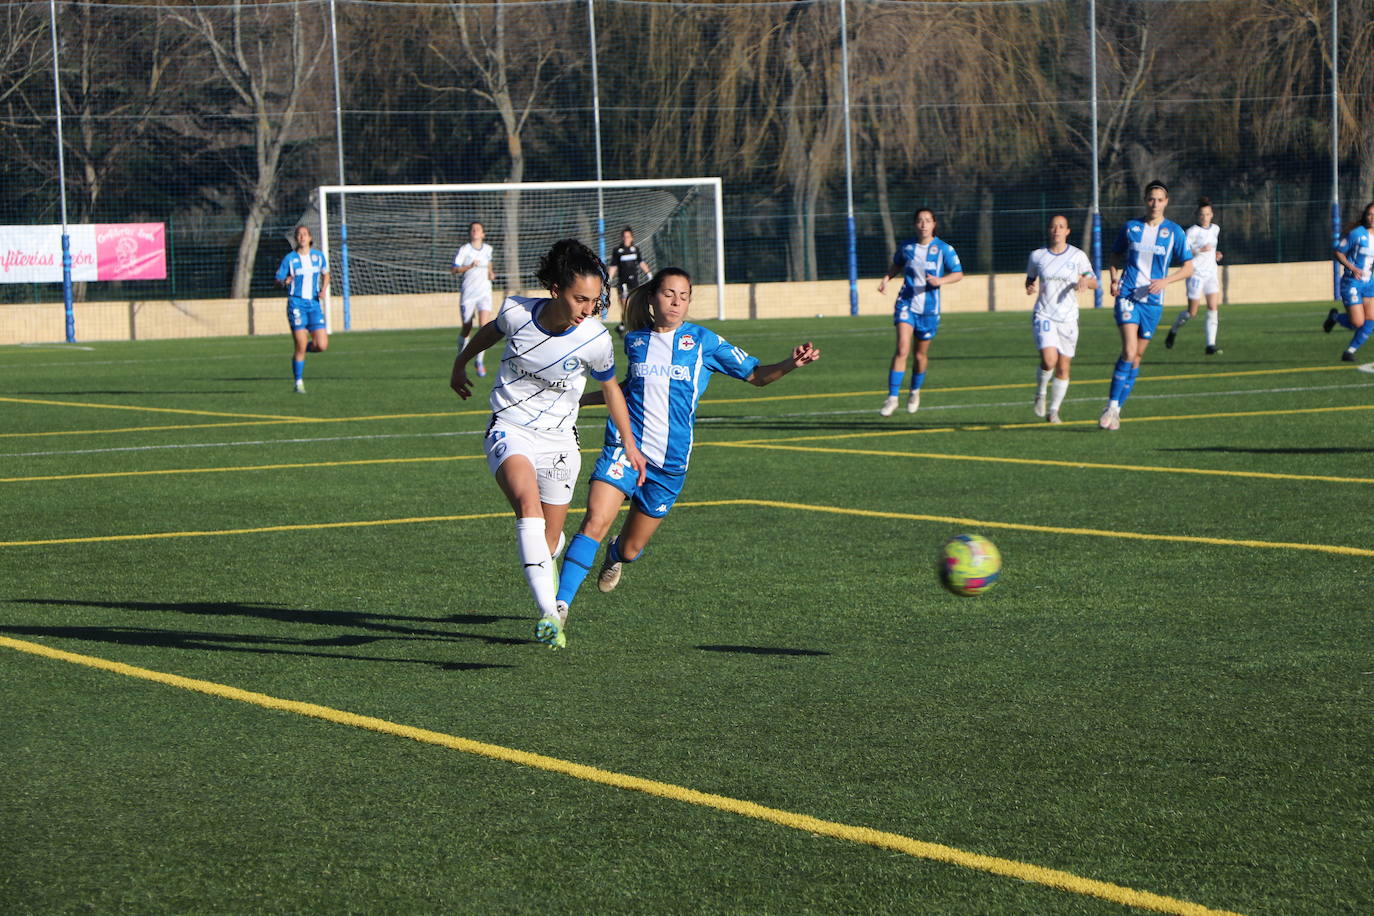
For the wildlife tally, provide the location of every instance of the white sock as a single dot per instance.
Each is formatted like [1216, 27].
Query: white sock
[1059, 388]
[481, 363]
[538, 562]
[1181, 320]
[1211, 328]
[1042, 381]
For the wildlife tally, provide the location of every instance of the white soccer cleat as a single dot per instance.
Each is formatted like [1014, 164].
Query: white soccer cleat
[889, 407]
[299, 387]
[913, 403]
[609, 577]
[562, 608]
[1039, 406]
[1110, 419]
[1053, 417]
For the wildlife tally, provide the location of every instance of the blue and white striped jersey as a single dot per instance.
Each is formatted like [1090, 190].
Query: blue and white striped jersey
[1149, 252]
[306, 274]
[917, 262]
[542, 374]
[669, 372]
[1358, 246]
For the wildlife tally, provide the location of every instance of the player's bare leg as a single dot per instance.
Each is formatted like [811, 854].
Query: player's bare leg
[628, 545]
[898, 369]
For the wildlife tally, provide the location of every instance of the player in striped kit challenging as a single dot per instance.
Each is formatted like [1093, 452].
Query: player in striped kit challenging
[552, 345]
[1146, 248]
[1355, 254]
[305, 274]
[671, 363]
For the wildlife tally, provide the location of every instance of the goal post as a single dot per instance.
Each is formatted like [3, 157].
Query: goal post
[401, 239]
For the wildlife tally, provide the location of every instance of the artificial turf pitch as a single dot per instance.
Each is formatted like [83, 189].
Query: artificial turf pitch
[1168, 695]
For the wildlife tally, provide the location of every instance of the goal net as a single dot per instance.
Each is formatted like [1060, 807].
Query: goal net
[392, 265]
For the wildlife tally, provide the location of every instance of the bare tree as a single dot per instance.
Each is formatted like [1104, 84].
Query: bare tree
[266, 55]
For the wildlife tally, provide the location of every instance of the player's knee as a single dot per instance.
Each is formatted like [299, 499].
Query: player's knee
[320, 344]
[597, 523]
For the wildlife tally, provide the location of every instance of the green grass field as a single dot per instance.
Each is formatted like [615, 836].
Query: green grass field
[1165, 702]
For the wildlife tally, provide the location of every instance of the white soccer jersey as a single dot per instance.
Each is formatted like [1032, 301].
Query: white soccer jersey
[542, 374]
[476, 282]
[1204, 262]
[1058, 275]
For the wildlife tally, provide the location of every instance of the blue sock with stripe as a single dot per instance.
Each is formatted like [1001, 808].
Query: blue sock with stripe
[894, 383]
[577, 562]
[298, 368]
[917, 381]
[1361, 335]
[1131, 375]
[1119, 376]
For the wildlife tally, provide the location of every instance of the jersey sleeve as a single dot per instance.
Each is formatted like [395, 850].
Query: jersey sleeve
[324, 263]
[728, 360]
[1123, 241]
[1032, 269]
[1346, 243]
[1085, 267]
[511, 313]
[462, 258]
[600, 358]
[1183, 252]
[899, 257]
[284, 270]
[952, 265]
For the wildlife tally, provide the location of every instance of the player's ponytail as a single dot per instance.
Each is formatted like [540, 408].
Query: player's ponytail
[639, 311]
[566, 261]
[1359, 220]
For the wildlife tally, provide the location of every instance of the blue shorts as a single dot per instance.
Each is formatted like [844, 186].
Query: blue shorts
[923, 326]
[660, 490]
[1353, 291]
[1143, 315]
[304, 314]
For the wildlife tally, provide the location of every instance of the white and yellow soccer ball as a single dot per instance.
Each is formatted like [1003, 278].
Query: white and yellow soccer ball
[969, 564]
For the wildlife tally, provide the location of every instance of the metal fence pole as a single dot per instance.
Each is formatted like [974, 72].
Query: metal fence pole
[68, 311]
[596, 131]
[849, 166]
[1097, 200]
[343, 197]
[1335, 152]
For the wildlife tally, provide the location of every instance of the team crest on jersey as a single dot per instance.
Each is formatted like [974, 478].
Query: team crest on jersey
[616, 470]
[1164, 233]
[686, 342]
[570, 364]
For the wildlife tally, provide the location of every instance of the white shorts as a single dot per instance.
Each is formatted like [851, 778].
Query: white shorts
[1061, 335]
[470, 307]
[1201, 287]
[554, 454]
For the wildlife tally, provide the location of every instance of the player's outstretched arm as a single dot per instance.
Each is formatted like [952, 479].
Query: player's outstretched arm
[802, 355]
[946, 280]
[483, 340]
[620, 416]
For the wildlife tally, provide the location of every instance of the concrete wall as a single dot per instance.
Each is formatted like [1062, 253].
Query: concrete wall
[153, 319]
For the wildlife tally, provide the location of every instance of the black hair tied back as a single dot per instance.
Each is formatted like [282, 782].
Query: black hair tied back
[569, 259]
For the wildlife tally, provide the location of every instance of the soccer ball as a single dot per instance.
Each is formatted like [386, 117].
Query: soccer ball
[969, 564]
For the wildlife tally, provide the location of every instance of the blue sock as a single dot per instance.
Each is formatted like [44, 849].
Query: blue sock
[894, 383]
[917, 381]
[617, 557]
[1119, 376]
[1361, 335]
[577, 562]
[298, 368]
[1131, 375]
[1343, 320]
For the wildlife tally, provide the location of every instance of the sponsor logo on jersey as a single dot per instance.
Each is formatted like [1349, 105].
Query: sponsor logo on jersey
[662, 507]
[645, 370]
[686, 342]
[638, 342]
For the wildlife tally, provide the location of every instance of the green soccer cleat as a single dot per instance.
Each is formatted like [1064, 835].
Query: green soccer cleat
[550, 632]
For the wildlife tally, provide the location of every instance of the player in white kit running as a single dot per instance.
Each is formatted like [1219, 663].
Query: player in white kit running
[1205, 283]
[552, 345]
[1055, 275]
[473, 264]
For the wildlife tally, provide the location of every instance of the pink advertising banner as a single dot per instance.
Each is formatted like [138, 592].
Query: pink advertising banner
[105, 251]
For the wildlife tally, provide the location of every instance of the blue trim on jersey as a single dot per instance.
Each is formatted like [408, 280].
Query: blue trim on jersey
[1168, 245]
[604, 376]
[534, 316]
[293, 267]
[941, 260]
[1358, 247]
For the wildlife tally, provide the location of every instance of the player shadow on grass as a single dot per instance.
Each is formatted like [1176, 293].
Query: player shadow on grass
[761, 650]
[1232, 449]
[377, 627]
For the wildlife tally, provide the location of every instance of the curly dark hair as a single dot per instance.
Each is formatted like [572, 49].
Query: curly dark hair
[568, 260]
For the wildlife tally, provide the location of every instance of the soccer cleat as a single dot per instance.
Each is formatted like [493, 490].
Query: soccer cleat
[299, 387]
[481, 370]
[1330, 321]
[562, 607]
[1110, 419]
[1213, 349]
[1053, 417]
[913, 401]
[549, 631]
[1038, 408]
[889, 407]
[609, 576]
[1170, 338]
[1348, 356]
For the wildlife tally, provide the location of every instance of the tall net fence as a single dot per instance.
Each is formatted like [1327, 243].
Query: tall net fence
[218, 119]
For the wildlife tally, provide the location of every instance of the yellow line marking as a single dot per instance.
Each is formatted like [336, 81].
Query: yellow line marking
[1055, 529]
[255, 467]
[1048, 462]
[879, 434]
[198, 413]
[1007, 868]
[269, 418]
[834, 510]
